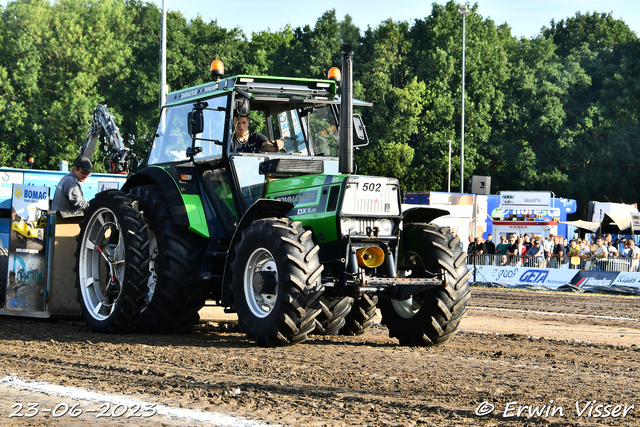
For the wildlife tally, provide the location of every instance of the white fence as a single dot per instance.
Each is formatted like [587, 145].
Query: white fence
[593, 264]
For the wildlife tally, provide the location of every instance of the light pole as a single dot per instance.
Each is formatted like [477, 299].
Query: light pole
[163, 57]
[449, 184]
[464, 11]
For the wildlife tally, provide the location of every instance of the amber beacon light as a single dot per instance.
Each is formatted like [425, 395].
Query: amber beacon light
[335, 74]
[217, 69]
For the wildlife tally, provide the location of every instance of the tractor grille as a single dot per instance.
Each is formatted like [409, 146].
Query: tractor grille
[365, 195]
[361, 226]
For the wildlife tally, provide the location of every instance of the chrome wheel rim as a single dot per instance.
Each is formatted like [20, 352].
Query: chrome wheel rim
[407, 308]
[261, 283]
[101, 264]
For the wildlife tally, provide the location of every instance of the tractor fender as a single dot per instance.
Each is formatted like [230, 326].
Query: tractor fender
[262, 208]
[160, 177]
[423, 214]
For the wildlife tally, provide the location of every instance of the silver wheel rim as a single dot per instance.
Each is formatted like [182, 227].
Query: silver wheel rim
[101, 264]
[153, 274]
[407, 308]
[261, 283]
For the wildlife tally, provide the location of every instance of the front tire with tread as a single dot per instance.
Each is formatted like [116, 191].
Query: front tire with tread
[431, 317]
[276, 282]
[361, 316]
[333, 312]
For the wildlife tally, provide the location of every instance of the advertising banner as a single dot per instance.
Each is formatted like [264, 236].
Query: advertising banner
[524, 200]
[502, 275]
[595, 279]
[26, 270]
[525, 276]
[550, 278]
[627, 279]
[7, 179]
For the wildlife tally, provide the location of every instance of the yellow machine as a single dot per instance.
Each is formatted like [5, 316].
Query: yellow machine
[25, 229]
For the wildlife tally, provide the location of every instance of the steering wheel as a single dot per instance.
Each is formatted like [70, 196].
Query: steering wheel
[272, 145]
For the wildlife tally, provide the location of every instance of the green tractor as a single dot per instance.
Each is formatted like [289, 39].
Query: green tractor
[292, 241]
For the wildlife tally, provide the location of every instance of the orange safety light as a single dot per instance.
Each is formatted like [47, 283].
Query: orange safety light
[335, 74]
[217, 69]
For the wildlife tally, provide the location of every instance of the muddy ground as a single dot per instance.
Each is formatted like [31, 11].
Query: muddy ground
[521, 353]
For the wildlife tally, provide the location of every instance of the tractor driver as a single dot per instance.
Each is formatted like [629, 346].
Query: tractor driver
[244, 141]
[69, 195]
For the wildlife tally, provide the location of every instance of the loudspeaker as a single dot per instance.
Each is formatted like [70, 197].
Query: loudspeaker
[480, 184]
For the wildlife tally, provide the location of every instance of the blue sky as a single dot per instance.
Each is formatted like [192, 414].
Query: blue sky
[525, 18]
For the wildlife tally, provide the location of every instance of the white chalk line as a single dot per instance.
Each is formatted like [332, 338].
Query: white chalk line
[555, 314]
[216, 418]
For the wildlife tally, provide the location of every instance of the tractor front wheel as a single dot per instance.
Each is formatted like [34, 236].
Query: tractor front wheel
[276, 282]
[431, 317]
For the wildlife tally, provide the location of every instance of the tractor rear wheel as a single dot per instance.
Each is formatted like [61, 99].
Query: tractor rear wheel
[430, 317]
[276, 282]
[361, 315]
[112, 263]
[333, 311]
[175, 296]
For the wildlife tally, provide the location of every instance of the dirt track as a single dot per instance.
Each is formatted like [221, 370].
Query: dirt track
[365, 380]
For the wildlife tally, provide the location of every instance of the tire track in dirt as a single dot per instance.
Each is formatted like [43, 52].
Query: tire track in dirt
[336, 381]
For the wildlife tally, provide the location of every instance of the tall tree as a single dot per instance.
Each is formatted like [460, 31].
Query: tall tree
[349, 32]
[596, 150]
[397, 100]
[312, 51]
[57, 56]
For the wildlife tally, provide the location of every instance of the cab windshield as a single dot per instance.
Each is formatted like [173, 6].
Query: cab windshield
[172, 136]
[309, 130]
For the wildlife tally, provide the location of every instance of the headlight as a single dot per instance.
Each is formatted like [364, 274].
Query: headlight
[385, 227]
[347, 225]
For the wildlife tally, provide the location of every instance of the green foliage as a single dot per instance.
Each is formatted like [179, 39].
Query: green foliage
[556, 112]
[349, 33]
[311, 52]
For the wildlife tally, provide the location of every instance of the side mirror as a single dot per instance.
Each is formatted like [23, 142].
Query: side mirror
[243, 108]
[195, 122]
[359, 127]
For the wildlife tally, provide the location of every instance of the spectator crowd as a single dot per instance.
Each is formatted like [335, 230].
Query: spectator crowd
[555, 252]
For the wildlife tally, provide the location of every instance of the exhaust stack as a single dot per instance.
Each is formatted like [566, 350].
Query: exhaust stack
[345, 165]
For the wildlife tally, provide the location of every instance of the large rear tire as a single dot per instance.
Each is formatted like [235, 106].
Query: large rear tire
[112, 262]
[175, 295]
[333, 311]
[276, 282]
[431, 317]
[360, 318]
